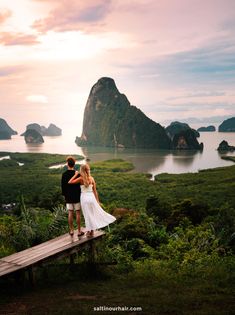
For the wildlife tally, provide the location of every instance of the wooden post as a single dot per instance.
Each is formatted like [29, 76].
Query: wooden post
[20, 277]
[92, 257]
[71, 258]
[92, 252]
[31, 273]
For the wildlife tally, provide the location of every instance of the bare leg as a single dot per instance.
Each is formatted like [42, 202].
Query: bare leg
[78, 219]
[70, 221]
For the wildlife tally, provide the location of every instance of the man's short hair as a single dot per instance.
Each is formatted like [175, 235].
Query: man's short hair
[71, 161]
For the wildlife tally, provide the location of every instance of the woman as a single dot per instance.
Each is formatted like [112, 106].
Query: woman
[95, 216]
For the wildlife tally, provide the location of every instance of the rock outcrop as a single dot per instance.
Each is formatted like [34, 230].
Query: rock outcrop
[5, 130]
[176, 127]
[227, 125]
[33, 136]
[51, 131]
[186, 140]
[110, 120]
[224, 146]
[206, 129]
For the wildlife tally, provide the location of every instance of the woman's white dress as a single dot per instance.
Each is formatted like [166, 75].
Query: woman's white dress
[95, 217]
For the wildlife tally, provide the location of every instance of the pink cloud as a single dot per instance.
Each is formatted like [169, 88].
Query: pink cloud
[76, 15]
[4, 15]
[11, 70]
[17, 39]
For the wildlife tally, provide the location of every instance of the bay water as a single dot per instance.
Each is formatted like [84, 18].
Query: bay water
[147, 161]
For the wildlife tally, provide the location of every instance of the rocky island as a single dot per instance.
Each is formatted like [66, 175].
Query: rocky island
[227, 125]
[110, 120]
[51, 131]
[33, 136]
[183, 137]
[5, 130]
[225, 147]
[177, 127]
[206, 129]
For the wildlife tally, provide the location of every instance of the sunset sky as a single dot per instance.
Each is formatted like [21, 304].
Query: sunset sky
[173, 59]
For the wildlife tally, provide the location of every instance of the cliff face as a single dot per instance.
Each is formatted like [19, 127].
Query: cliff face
[110, 120]
[227, 125]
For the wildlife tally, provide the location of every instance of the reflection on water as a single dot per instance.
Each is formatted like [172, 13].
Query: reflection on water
[147, 161]
[185, 158]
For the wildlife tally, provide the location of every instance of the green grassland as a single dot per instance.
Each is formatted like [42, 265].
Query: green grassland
[171, 249]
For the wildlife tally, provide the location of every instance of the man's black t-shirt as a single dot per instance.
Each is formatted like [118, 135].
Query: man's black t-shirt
[71, 192]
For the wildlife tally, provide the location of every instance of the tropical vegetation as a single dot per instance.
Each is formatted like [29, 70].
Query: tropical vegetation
[174, 238]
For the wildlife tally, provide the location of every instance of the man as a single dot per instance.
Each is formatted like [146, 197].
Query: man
[72, 196]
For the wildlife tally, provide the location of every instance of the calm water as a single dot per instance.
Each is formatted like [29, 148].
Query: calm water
[150, 161]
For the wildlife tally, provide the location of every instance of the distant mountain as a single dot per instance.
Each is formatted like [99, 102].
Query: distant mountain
[5, 130]
[51, 131]
[227, 125]
[206, 129]
[110, 120]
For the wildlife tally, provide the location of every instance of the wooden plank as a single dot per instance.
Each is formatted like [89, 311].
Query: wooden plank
[39, 247]
[50, 249]
[9, 269]
[61, 246]
[56, 251]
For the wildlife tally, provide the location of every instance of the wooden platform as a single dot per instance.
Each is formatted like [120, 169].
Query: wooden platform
[62, 246]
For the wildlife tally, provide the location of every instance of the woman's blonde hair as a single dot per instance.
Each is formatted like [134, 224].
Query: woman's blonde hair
[85, 173]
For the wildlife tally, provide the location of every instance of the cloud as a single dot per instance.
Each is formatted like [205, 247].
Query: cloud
[17, 39]
[197, 94]
[213, 63]
[4, 15]
[37, 99]
[76, 15]
[10, 70]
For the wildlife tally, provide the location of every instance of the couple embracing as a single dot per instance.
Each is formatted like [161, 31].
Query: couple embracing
[79, 190]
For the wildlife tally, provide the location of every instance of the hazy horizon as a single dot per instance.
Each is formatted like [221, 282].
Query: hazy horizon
[173, 59]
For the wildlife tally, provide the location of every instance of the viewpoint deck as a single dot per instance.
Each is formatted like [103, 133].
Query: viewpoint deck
[59, 247]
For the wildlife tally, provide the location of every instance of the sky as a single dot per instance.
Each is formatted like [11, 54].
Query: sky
[173, 59]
